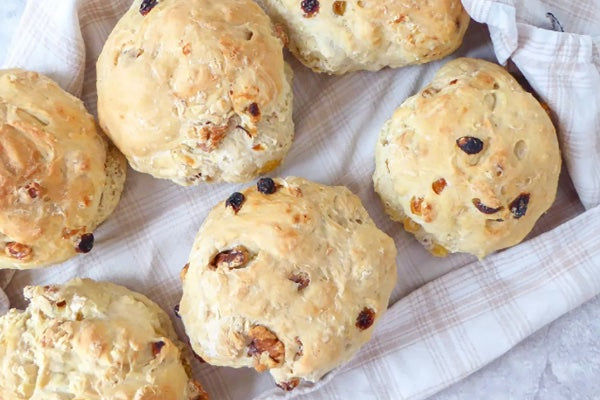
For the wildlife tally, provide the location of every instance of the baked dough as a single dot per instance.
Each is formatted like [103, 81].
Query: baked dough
[289, 278]
[470, 162]
[59, 179]
[91, 340]
[342, 36]
[196, 90]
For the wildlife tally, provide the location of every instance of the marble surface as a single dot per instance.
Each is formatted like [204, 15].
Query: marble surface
[561, 361]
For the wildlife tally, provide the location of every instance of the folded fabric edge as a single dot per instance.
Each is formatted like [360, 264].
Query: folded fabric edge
[524, 43]
[568, 58]
[545, 320]
[501, 16]
[588, 250]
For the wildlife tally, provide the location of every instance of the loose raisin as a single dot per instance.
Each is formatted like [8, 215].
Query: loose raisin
[266, 186]
[289, 385]
[339, 7]
[235, 201]
[518, 207]
[147, 6]
[254, 110]
[365, 319]
[86, 243]
[61, 304]
[18, 250]
[301, 279]
[485, 209]
[439, 185]
[235, 258]
[469, 144]
[157, 347]
[310, 7]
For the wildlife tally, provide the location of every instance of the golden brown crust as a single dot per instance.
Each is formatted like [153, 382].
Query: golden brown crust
[57, 183]
[491, 144]
[196, 90]
[342, 36]
[91, 340]
[280, 283]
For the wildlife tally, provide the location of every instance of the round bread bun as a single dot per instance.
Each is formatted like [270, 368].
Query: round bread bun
[91, 340]
[288, 276]
[342, 36]
[59, 179]
[470, 162]
[196, 90]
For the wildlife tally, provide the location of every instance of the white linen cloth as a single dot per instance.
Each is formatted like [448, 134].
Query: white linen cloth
[448, 317]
